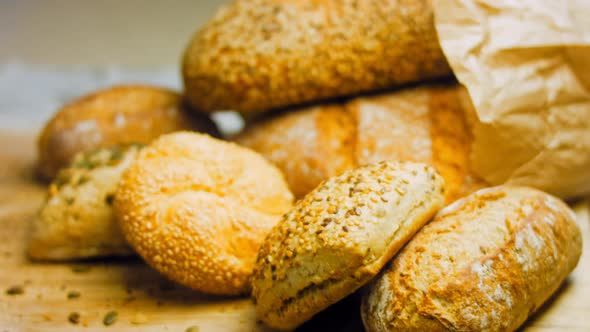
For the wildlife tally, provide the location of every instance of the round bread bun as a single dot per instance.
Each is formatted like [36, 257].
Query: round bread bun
[76, 221]
[118, 115]
[339, 236]
[428, 124]
[197, 209]
[259, 55]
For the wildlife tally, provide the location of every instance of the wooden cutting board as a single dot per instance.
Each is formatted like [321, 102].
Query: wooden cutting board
[144, 301]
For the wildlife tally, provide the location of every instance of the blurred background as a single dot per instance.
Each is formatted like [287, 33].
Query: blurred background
[53, 51]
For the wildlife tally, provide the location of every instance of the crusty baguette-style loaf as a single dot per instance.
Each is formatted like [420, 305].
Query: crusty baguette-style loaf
[119, 115]
[77, 221]
[197, 209]
[485, 263]
[429, 124]
[340, 236]
[256, 55]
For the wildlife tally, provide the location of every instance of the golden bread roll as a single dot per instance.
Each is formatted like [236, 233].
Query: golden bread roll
[340, 236]
[256, 55]
[76, 221]
[485, 263]
[197, 209]
[118, 115]
[429, 124]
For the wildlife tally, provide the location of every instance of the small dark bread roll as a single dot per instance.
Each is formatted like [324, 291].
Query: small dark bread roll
[118, 115]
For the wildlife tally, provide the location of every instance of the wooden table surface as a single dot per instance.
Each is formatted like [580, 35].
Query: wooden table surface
[145, 301]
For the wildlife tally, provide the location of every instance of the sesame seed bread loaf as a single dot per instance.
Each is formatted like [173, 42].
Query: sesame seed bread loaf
[339, 236]
[118, 115]
[485, 263]
[256, 55]
[197, 209]
[429, 124]
[76, 221]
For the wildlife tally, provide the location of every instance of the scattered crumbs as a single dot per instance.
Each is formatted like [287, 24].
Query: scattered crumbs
[74, 318]
[110, 318]
[47, 317]
[109, 199]
[80, 268]
[139, 318]
[159, 303]
[15, 290]
[73, 295]
[27, 282]
[62, 287]
[193, 328]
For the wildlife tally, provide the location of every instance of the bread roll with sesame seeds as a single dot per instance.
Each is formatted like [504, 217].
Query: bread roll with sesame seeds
[118, 115]
[339, 236]
[257, 55]
[197, 209]
[485, 263]
[429, 124]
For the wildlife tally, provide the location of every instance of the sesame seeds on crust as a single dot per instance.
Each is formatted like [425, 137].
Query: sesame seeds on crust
[197, 209]
[76, 221]
[258, 55]
[343, 231]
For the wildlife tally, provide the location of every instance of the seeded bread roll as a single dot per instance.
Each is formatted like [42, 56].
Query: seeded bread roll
[76, 221]
[486, 263]
[339, 236]
[256, 55]
[429, 124]
[118, 115]
[197, 209]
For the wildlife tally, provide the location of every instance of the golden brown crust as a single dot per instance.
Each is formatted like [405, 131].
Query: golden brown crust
[197, 209]
[426, 124]
[393, 127]
[76, 221]
[309, 146]
[451, 113]
[339, 236]
[118, 115]
[486, 263]
[256, 55]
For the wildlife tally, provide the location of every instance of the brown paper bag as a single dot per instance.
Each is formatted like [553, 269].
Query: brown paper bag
[526, 65]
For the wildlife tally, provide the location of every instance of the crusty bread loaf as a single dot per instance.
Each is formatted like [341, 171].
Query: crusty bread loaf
[76, 221]
[339, 236]
[427, 124]
[485, 263]
[197, 209]
[118, 115]
[256, 55]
